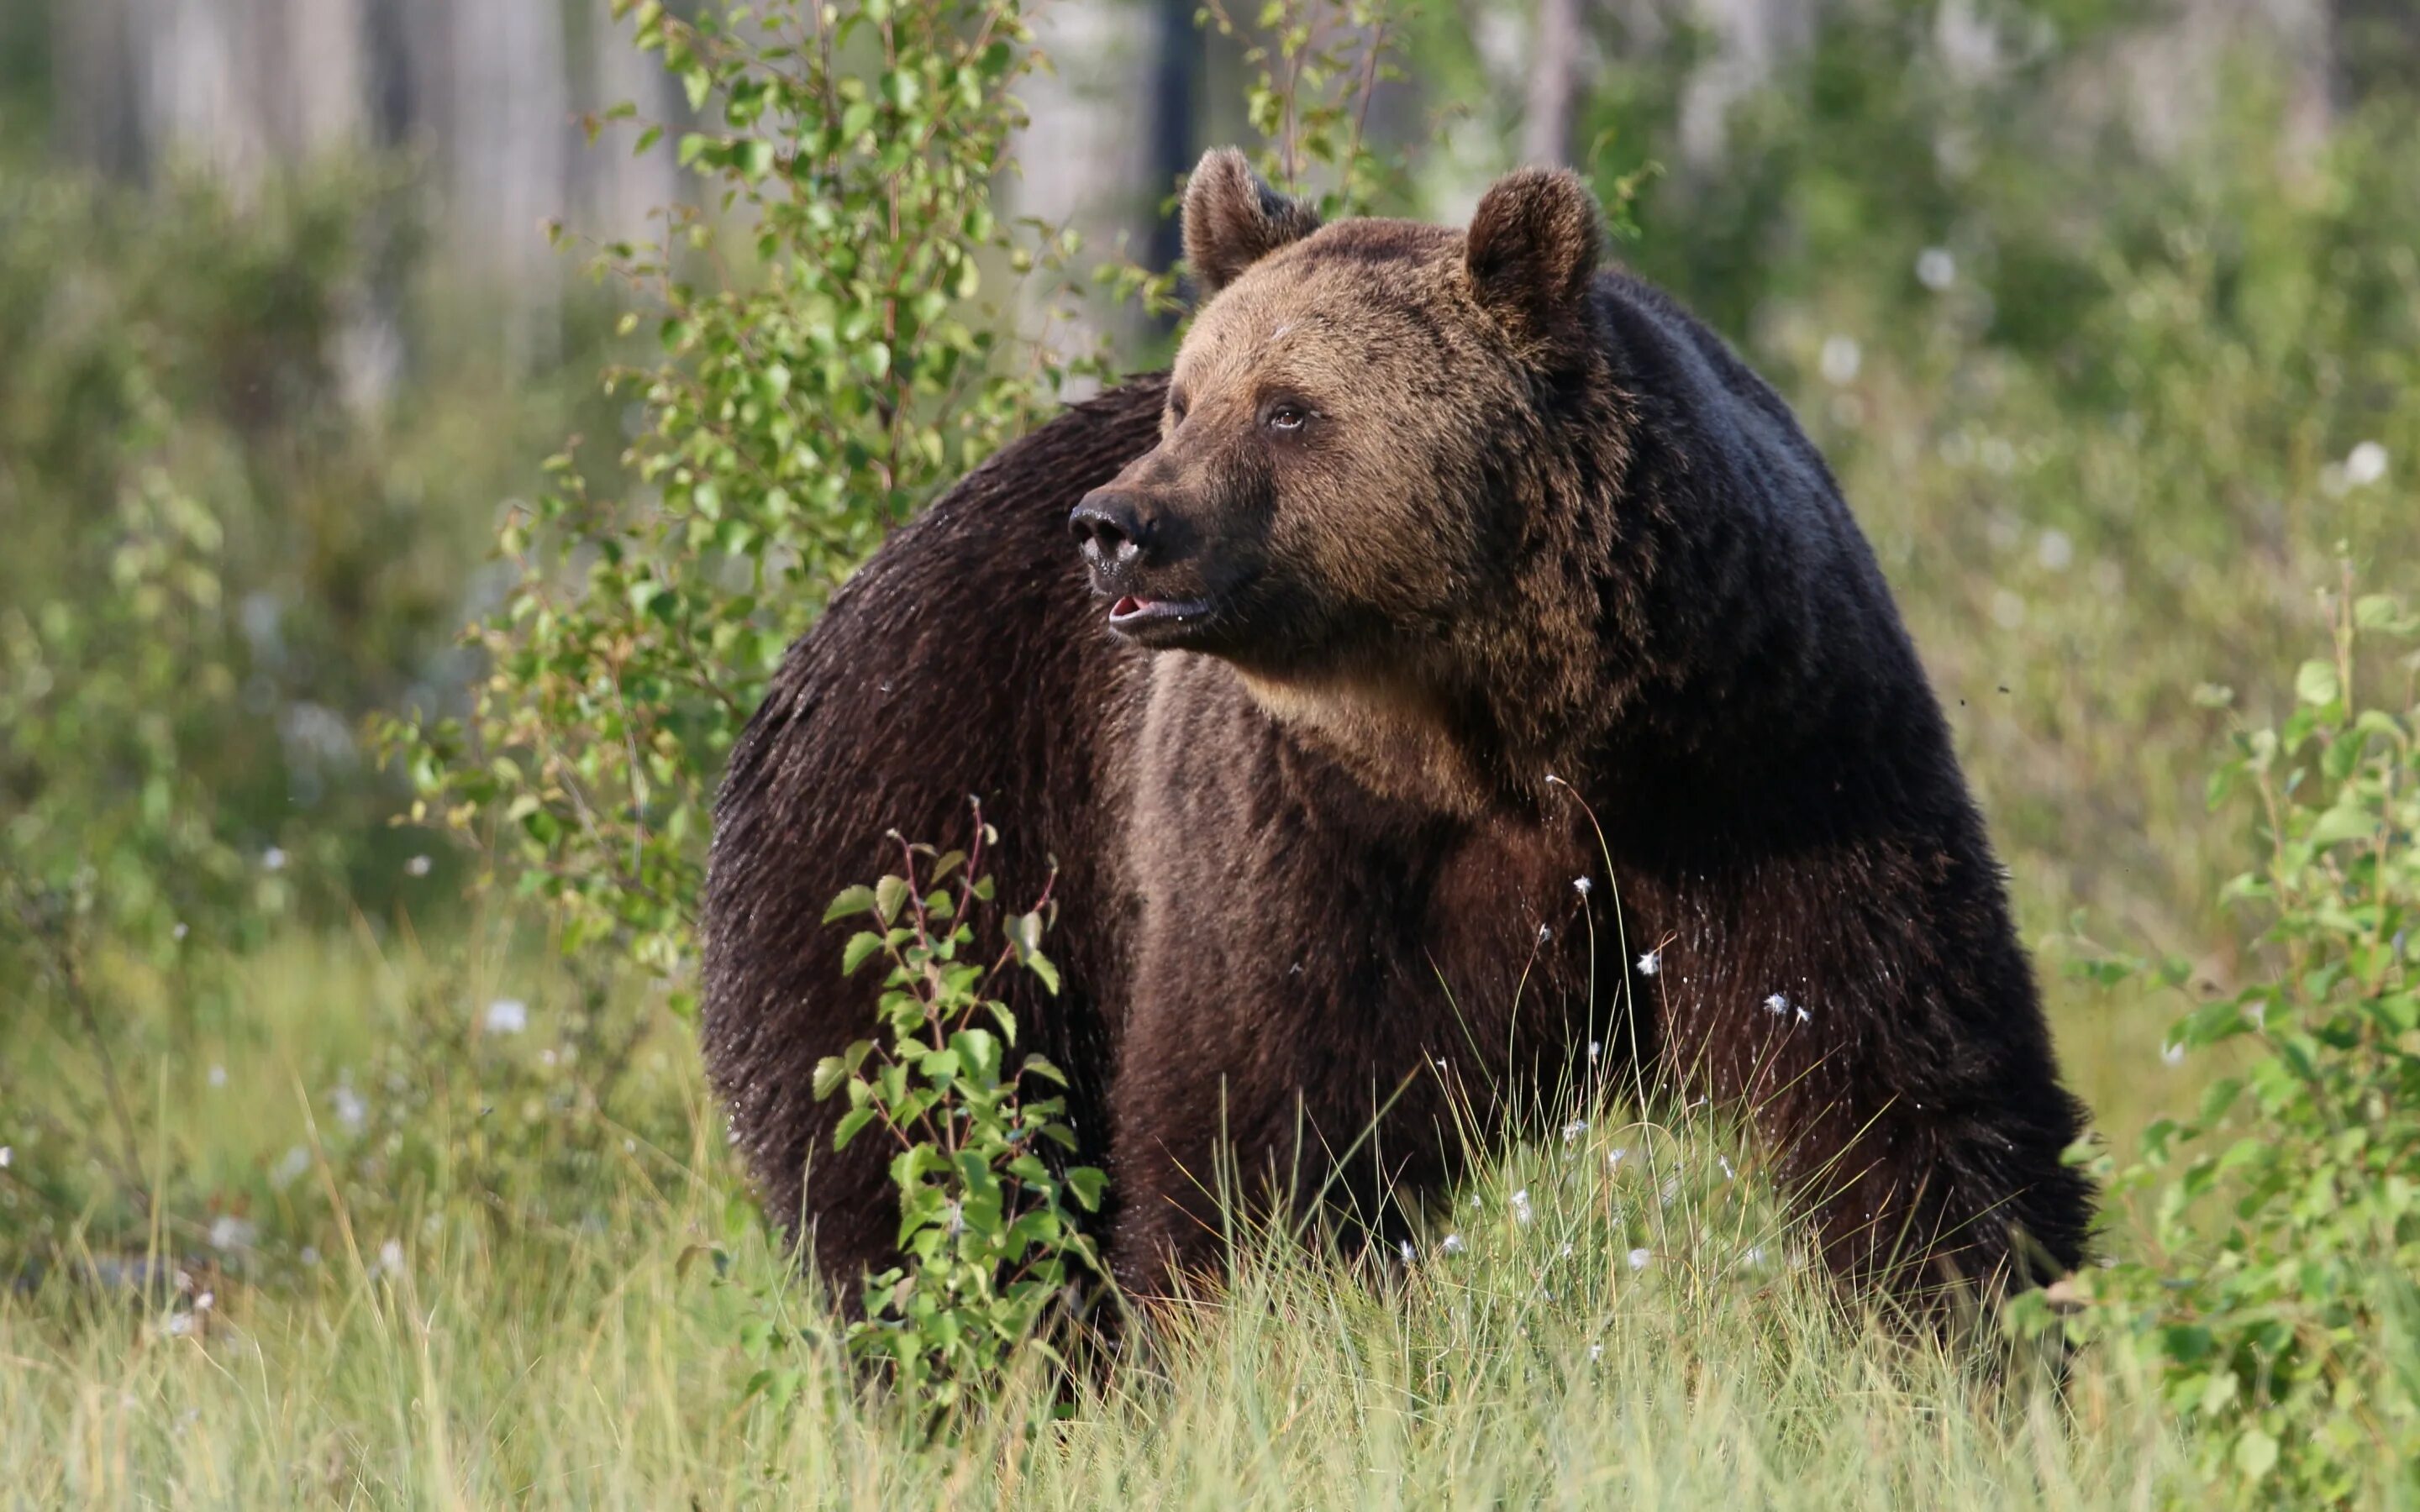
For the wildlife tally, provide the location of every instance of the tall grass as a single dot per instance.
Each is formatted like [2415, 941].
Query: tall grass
[1610, 1312]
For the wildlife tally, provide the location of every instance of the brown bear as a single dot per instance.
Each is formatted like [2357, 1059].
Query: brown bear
[1464, 679]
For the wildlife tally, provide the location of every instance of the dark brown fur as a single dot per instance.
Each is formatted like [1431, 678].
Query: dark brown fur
[1537, 541]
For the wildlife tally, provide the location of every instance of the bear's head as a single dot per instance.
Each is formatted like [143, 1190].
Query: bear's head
[1348, 475]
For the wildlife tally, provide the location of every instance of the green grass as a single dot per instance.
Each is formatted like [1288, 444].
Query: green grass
[577, 1341]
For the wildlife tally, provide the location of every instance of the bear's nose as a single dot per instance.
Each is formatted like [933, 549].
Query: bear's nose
[1109, 530]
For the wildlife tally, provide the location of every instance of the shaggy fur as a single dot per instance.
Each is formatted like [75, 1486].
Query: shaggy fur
[1438, 551]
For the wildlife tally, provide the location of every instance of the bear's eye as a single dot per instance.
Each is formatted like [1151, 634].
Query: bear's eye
[1287, 415]
[1176, 407]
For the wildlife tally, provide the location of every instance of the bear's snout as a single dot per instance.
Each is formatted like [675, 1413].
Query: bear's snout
[1111, 531]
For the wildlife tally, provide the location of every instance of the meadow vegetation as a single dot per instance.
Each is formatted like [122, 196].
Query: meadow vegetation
[318, 1183]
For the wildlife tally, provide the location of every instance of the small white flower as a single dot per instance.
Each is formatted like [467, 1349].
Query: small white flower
[218, 1075]
[1582, 885]
[206, 1302]
[181, 929]
[390, 1257]
[1595, 1048]
[2173, 1055]
[229, 1232]
[1840, 359]
[1408, 1253]
[1614, 1156]
[290, 1166]
[8, 1157]
[1804, 1016]
[177, 1325]
[351, 1110]
[1474, 1202]
[272, 859]
[507, 1015]
[2055, 551]
[1652, 962]
[1451, 1245]
[1641, 1258]
[1596, 1351]
[417, 867]
[1776, 1005]
[310, 1254]
[2364, 464]
[1521, 1214]
[1935, 269]
[1573, 1130]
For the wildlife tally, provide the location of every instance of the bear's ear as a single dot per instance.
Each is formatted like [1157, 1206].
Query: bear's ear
[1232, 220]
[1532, 248]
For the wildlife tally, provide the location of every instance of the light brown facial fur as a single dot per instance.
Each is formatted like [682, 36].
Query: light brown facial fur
[1337, 505]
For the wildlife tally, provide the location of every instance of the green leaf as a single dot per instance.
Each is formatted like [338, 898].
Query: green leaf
[851, 1125]
[1087, 1182]
[851, 900]
[2315, 684]
[861, 945]
[2255, 1452]
[2342, 823]
[889, 894]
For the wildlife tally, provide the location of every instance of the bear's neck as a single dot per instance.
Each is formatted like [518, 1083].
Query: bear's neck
[1395, 736]
[1410, 740]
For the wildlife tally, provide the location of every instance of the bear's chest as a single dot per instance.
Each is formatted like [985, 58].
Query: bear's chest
[1272, 881]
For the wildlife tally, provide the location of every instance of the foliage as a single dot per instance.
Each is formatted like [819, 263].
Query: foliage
[223, 548]
[1313, 68]
[986, 1211]
[830, 365]
[2283, 1218]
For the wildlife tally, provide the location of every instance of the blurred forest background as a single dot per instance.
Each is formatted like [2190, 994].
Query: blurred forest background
[2104, 310]
[2107, 313]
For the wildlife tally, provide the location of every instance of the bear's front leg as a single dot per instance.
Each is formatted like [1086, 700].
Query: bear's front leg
[1226, 1118]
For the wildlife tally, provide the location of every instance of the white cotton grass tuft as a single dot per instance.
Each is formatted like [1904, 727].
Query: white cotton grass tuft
[417, 867]
[1582, 885]
[351, 1110]
[1652, 962]
[1840, 360]
[1451, 1244]
[1936, 268]
[273, 859]
[507, 1015]
[1520, 1211]
[1641, 1258]
[2364, 464]
[1776, 1005]
[1573, 1130]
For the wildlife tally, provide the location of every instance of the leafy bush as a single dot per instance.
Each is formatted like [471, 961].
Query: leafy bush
[987, 1224]
[2275, 1298]
[830, 364]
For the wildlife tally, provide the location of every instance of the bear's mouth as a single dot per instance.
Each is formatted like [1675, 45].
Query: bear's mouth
[1137, 617]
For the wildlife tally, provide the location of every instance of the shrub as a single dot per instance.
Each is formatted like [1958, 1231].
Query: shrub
[987, 1221]
[2275, 1298]
[831, 364]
